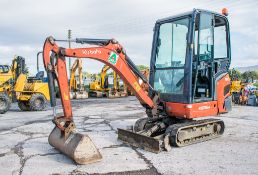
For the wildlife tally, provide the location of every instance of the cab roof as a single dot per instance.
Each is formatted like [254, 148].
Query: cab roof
[189, 13]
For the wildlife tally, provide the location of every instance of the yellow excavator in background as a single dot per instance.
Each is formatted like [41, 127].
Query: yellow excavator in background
[100, 87]
[146, 74]
[144, 86]
[77, 90]
[117, 91]
[32, 93]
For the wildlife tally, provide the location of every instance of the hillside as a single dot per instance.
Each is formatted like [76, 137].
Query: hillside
[247, 68]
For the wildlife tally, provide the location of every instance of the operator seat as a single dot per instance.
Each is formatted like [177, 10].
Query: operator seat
[39, 76]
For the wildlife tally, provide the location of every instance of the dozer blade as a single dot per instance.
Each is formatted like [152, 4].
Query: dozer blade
[141, 141]
[77, 146]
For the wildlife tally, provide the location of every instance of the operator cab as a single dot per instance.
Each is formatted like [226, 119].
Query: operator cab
[191, 52]
[4, 68]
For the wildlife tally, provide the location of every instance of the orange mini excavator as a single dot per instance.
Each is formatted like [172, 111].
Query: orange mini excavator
[188, 80]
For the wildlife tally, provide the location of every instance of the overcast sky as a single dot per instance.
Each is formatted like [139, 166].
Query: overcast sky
[24, 25]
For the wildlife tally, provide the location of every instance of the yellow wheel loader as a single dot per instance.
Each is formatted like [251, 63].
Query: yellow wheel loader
[31, 93]
[6, 81]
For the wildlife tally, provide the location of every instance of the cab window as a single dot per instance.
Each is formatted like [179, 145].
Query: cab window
[170, 56]
[220, 38]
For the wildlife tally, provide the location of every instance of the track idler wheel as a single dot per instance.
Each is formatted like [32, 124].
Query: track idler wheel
[78, 147]
[140, 124]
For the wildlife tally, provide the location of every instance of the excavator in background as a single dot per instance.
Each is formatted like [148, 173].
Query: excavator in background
[117, 91]
[77, 90]
[122, 88]
[146, 74]
[188, 80]
[144, 86]
[31, 93]
[100, 87]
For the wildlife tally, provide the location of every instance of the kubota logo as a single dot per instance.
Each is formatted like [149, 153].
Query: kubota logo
[204, 107]
[91, 52]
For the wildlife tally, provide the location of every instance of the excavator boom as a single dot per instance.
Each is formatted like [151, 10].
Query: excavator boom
[110, 52]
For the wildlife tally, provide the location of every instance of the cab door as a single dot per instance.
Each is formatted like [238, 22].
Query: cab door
[169, 76]
[203, 67]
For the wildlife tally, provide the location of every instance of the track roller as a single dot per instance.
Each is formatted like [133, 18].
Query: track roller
[195, 131]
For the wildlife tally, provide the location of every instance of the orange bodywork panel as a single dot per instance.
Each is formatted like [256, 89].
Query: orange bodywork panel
[189, 111]
[223, 91]
[202, 109]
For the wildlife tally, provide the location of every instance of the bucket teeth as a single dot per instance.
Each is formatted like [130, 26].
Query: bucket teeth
[78, 147]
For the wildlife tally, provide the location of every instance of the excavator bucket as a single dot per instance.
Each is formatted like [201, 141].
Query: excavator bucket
[77, 146]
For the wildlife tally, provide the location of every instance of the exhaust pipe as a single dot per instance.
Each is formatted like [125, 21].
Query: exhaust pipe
[78, 147]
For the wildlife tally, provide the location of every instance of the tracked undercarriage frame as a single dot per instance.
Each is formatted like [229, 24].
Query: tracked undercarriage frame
[160, 134]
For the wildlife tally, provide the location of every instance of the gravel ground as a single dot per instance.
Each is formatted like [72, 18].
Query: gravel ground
[24, 148]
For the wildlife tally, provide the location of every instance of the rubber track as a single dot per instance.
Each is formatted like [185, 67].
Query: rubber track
[173, 129]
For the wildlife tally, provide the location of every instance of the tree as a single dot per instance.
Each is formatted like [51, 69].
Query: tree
[253, 75]
[245, 76]
[86, 75]
[250, 75]
[142, 67]
[235, 74]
